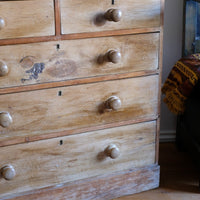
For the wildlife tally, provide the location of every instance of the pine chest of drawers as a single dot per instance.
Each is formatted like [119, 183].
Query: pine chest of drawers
[79, 98]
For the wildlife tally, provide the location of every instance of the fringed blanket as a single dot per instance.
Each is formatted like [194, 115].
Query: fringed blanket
[180, 83]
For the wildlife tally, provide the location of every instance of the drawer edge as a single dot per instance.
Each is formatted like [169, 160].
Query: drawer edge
[21, 140]
[100, 187]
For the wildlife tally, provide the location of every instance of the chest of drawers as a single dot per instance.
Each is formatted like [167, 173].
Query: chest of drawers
[79, 98]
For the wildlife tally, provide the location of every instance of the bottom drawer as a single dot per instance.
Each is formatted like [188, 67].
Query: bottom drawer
[60, 160]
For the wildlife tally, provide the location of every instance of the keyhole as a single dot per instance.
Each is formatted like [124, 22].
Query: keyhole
[57, 46]
[113, 2]
[61, 142]
[60, 93]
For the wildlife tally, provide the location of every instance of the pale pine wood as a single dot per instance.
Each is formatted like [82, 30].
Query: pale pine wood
[44, 111]
[27, 18]
[60, 160]
[77, 81]
[77, 36]
[57, 164]
[104, 187]
[80, 15]
[32, 138]
[65, 60]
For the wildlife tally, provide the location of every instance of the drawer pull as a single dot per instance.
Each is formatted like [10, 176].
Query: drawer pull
[113, 103]
[113, 56]
[112, 151]
[2, 23]
[5, 119]
[8, 172]
[114, 15]
[3, 69]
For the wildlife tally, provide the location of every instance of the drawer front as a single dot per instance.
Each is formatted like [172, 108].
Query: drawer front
[56, 161]
[26, 18]
[89, 15]
[41, 112]
[63, 60]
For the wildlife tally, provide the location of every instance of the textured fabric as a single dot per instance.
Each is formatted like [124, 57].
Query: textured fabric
[180, 83]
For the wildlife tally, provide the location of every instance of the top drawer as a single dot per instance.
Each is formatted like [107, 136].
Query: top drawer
[89, 15]
[26, 18]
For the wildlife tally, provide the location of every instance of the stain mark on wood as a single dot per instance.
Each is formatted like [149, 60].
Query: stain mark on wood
[62, 68]
[34, 71]
[27, 62]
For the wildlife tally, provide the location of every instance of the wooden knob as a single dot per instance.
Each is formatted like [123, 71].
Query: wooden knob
[3, 69]
[8, 172]
[112, 151]
[113, 56]
[113, 103]
[114, 15]
[5, 119]
[2, 23]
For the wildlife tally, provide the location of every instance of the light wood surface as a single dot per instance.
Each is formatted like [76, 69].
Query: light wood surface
[88, 15]
[61, 109]
[79, 86]
[58, 37]
[179, 181]
[64, 60]
[60, 160]
[28, 20]
[104, 187]
[77, 81]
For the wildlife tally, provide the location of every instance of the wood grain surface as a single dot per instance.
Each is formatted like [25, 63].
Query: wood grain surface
[72, 59]
[87, 15]
[27, 18]
[60, 160]
[104, 187]
[67, 108]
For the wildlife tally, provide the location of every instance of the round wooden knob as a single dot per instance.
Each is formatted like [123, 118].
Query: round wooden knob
[8, 172]
[114, 15]
[5, 119]
[113, 56]
[113, 103]
[3, 69]
[2, 23]
[112, 151]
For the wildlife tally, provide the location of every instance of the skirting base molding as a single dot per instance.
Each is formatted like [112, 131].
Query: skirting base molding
[167, 136]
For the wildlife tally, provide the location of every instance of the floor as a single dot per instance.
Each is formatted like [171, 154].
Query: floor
[179, 177]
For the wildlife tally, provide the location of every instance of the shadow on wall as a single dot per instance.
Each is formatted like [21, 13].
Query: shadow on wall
[172, 51]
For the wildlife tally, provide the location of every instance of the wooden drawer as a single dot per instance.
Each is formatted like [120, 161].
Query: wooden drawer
[56, 161]
[88, 15]
[63, 60]
[26, 18]
[39, 113]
